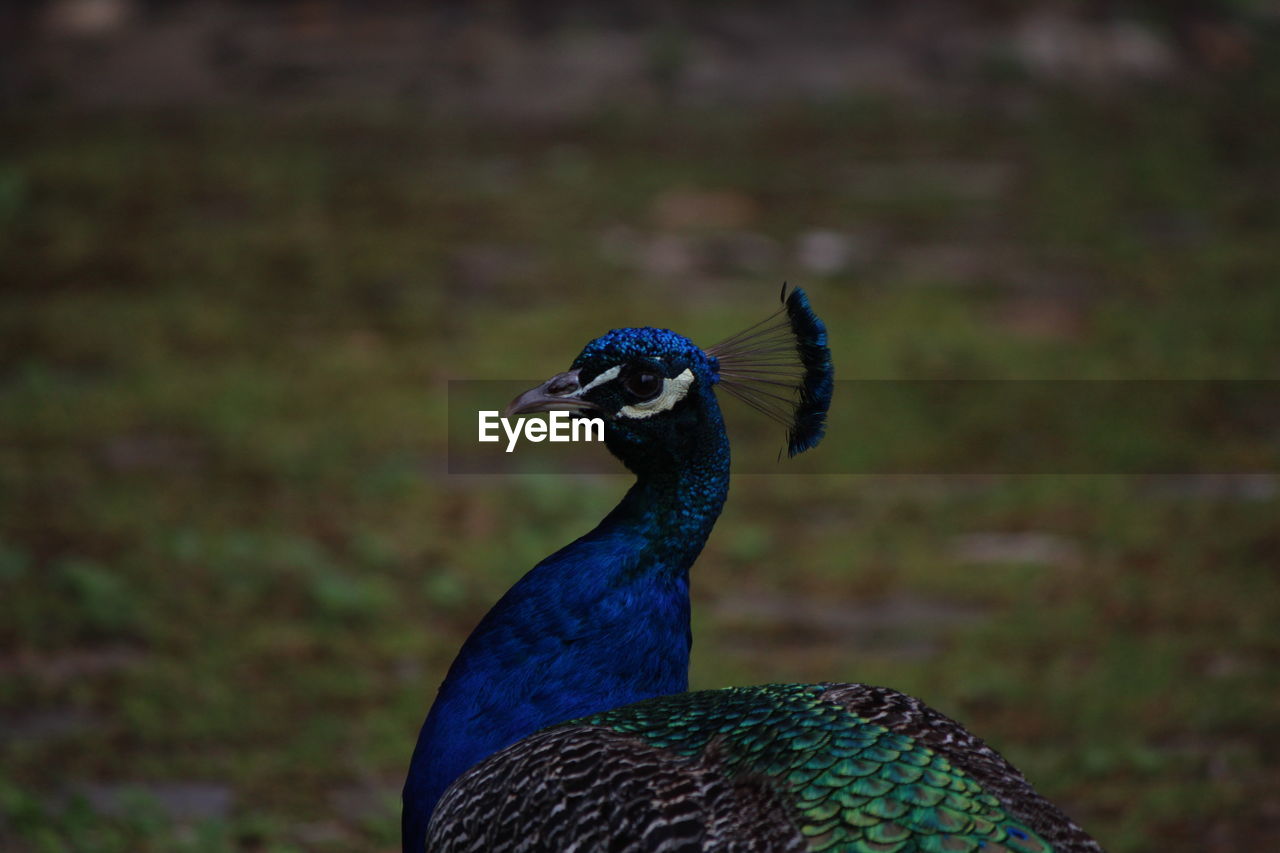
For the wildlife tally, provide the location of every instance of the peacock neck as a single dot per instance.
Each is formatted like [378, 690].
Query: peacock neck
[601, 623]
[669, 514]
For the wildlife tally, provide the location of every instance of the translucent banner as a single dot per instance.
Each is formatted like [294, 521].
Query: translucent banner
[929, 427]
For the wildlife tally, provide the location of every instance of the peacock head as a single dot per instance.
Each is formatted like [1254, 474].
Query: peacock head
[654, 388]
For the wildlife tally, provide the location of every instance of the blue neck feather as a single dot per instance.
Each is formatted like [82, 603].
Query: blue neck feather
[602, 622]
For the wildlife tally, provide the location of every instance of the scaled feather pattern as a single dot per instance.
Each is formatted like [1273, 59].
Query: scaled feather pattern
[828, 767]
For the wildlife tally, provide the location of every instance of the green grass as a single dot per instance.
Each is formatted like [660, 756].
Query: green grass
[229, 553]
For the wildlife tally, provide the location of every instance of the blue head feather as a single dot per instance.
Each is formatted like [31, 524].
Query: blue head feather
[618, 346]
[656, 446]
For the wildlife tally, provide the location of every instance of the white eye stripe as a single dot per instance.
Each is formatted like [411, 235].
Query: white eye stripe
[606, 376]
[673, 391]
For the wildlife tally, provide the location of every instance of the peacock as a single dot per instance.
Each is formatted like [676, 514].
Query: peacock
[564, 724]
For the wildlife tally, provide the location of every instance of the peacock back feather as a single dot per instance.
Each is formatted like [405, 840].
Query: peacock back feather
[853, 784]
[842, 768]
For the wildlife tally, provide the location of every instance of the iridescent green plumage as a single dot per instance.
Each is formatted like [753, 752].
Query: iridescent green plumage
[855, 785]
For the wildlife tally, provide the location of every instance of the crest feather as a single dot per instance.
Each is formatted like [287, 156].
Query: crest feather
[781, 367]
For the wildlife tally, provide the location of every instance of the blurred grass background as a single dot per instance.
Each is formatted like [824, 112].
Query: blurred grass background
[232, 568]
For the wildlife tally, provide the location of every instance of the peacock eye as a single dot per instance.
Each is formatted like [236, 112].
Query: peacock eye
[643, 384]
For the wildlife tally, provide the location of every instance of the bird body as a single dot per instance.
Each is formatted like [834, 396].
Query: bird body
[565, 642]
[602, 622]
[563, 723]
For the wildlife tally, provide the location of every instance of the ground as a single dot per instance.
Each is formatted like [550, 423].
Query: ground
[233, 564]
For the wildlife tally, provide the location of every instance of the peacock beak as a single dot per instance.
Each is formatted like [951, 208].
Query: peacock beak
[559, 393]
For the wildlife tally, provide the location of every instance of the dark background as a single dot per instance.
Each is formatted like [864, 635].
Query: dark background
[244, 246]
